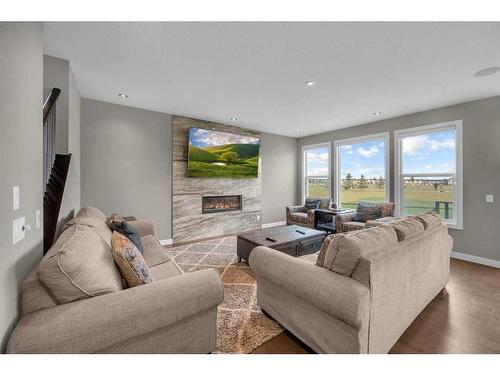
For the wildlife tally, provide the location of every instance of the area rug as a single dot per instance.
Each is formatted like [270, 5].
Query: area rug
[241, 325]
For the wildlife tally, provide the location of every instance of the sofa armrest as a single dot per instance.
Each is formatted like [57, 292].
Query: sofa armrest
[342, 297]
[340, 219]
[96, 323]
[143, 227]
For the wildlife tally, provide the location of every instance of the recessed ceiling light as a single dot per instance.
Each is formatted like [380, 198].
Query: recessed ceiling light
[123, 95]
[297, 133]
[310, 83]
[487, 72]
[233, 119]
[377, 113]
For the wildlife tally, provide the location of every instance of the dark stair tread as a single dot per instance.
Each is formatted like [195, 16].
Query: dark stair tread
[52, 199]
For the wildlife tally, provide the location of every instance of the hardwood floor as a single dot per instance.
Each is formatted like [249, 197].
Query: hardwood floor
[466, 319]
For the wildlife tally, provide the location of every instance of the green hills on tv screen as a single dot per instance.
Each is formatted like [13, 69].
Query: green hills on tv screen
[219, 154]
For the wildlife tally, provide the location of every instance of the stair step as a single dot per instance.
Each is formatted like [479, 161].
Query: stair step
[53, 196]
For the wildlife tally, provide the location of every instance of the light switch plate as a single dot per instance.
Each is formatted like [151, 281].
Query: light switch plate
[489, 198]
[15, 198]
[18, 230]
[38, 219]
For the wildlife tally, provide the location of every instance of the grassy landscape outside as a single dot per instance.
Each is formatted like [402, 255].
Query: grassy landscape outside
[419, 196]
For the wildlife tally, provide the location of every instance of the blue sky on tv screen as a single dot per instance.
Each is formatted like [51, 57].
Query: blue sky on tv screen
[427, 153]
[203, 138]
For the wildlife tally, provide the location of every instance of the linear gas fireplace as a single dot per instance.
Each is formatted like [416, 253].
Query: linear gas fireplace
[220, 203]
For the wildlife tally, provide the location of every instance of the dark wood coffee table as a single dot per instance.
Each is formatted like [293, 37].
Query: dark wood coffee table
[289, 240]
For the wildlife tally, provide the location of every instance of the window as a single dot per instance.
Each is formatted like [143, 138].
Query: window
[317, 170]
[428, 168]
[362, 170]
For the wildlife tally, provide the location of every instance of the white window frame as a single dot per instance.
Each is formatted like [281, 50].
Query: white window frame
[355, 140]
[398, 161]
[304, 166]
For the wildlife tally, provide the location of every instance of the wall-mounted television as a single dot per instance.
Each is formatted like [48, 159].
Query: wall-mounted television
[220, 154]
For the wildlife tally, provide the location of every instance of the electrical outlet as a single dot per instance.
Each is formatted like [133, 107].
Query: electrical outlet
[18, 230]
[489, 198]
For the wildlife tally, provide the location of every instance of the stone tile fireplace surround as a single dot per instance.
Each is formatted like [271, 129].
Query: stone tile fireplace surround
[190, 221]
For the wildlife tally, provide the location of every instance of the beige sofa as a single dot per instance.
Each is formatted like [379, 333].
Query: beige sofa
[362, 309]
[176, 313]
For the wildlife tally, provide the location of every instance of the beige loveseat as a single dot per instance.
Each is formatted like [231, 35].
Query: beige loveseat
[176, 313]
[368, 288]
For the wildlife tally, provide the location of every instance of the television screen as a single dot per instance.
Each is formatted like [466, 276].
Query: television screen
[219, 154]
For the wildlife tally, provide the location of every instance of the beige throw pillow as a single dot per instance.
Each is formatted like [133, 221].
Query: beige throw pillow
[429, 220]
[342, 252]
[91, 221]
[130, 261]
[79, 266]
[407, 228]
[91, 211]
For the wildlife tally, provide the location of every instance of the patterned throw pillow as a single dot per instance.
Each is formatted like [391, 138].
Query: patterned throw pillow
[116, 223]
[130, 261]
[312, 204]
[367, 212]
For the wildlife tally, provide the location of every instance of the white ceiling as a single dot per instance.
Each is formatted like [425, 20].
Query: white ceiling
[256, 71]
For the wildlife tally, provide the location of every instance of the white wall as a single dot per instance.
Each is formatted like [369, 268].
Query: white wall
[279, 176]
[21, 64]
[127, 162]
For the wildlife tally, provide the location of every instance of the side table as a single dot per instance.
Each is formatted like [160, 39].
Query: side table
[325, 219]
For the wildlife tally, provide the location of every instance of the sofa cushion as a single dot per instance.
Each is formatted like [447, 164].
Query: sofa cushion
[36, 296]
[79, 266]
[93, 222]
[312, 204]
[130, 261]
[407, 228]
[344, 250]
[351, 246]
[380, 221]
[300, 217]
[92, 211]
[154, 252]
[320, 260]
[429, 220]
[165, 271]
[352, 225]
[367, 211]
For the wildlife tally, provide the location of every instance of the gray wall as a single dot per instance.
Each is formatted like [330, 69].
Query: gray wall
[279, 176]
[21, 159]
[481, 166]
[126, 162]
[58, 73]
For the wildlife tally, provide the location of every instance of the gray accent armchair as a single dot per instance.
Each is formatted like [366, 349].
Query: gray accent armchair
[300, 215]
[344, 222]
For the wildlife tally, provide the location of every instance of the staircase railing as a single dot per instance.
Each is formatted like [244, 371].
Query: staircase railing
[49, 134]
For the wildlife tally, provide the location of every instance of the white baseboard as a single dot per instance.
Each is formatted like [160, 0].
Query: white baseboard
[169, 241]
[476, 259]
[275, 224]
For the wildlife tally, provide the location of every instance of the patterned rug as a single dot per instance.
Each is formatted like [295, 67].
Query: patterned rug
[241, 326]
